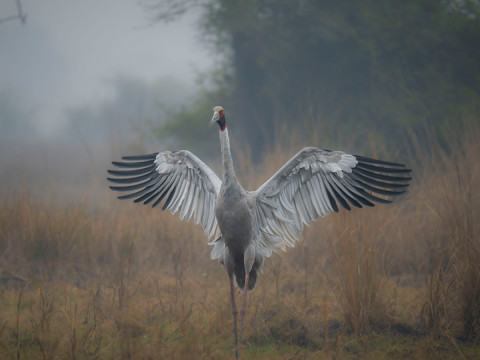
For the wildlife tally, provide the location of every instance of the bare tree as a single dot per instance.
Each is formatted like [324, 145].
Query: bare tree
[169, 10]
[21, 16]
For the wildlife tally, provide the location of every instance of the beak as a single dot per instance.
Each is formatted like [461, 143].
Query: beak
[215, 118]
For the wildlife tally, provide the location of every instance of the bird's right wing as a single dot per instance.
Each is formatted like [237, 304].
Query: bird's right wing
[310, 184]
[187, 183]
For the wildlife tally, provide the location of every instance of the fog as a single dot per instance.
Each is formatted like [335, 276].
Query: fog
[81, 60]
[68, 51]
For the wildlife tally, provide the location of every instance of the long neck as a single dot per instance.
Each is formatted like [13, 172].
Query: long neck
[227, 164]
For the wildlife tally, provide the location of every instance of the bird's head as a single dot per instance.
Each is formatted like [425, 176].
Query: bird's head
[219, 117]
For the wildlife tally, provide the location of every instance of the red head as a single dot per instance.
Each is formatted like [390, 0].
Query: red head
[219, 117]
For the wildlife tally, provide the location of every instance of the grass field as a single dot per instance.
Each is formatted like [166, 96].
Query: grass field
[107, 279]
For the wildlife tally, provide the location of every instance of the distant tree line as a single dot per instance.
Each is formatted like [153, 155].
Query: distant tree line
[363, 68]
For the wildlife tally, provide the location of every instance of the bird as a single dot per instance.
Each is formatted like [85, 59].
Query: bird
[243, 226]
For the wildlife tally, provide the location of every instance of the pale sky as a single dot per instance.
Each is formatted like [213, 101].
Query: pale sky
[68, 50]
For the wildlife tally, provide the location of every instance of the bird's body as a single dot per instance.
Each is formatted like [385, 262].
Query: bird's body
[233, 211]
[247, 226]
[234, 217]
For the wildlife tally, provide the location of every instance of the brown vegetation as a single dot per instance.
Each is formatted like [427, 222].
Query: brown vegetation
[125, 281]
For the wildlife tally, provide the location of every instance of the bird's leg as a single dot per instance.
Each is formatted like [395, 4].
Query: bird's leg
[244, 306]
[234, 312]
[248, 260]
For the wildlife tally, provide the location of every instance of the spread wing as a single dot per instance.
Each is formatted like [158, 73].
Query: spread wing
[183, 180]
[311, 184]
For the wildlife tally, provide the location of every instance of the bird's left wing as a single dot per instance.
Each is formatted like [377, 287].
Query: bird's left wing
[186, 183]
[310, 184]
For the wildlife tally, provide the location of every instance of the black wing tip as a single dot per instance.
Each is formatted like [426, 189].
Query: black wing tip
[343, 203]
[132, 164]
[169, 199]
[366, 159]
[382, 169]
[136, 161]
[383, 201]
[125, 197]
[115, 188]
[140, 157]
[133, 172]
[381, 176]
[332, 202]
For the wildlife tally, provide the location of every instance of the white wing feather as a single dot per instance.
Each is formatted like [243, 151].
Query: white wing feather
[309, 185]
[180, 179]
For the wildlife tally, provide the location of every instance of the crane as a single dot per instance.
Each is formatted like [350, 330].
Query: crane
[243, 226]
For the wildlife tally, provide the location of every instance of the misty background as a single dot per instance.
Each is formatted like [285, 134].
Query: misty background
[79, 77]
[83, 83]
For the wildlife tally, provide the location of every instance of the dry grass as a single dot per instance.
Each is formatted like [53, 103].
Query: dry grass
[453, 285]
[362, 276]
[123, 281]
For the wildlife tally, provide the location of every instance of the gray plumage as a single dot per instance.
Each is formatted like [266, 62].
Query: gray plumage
[308, 186]
[247, 226]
